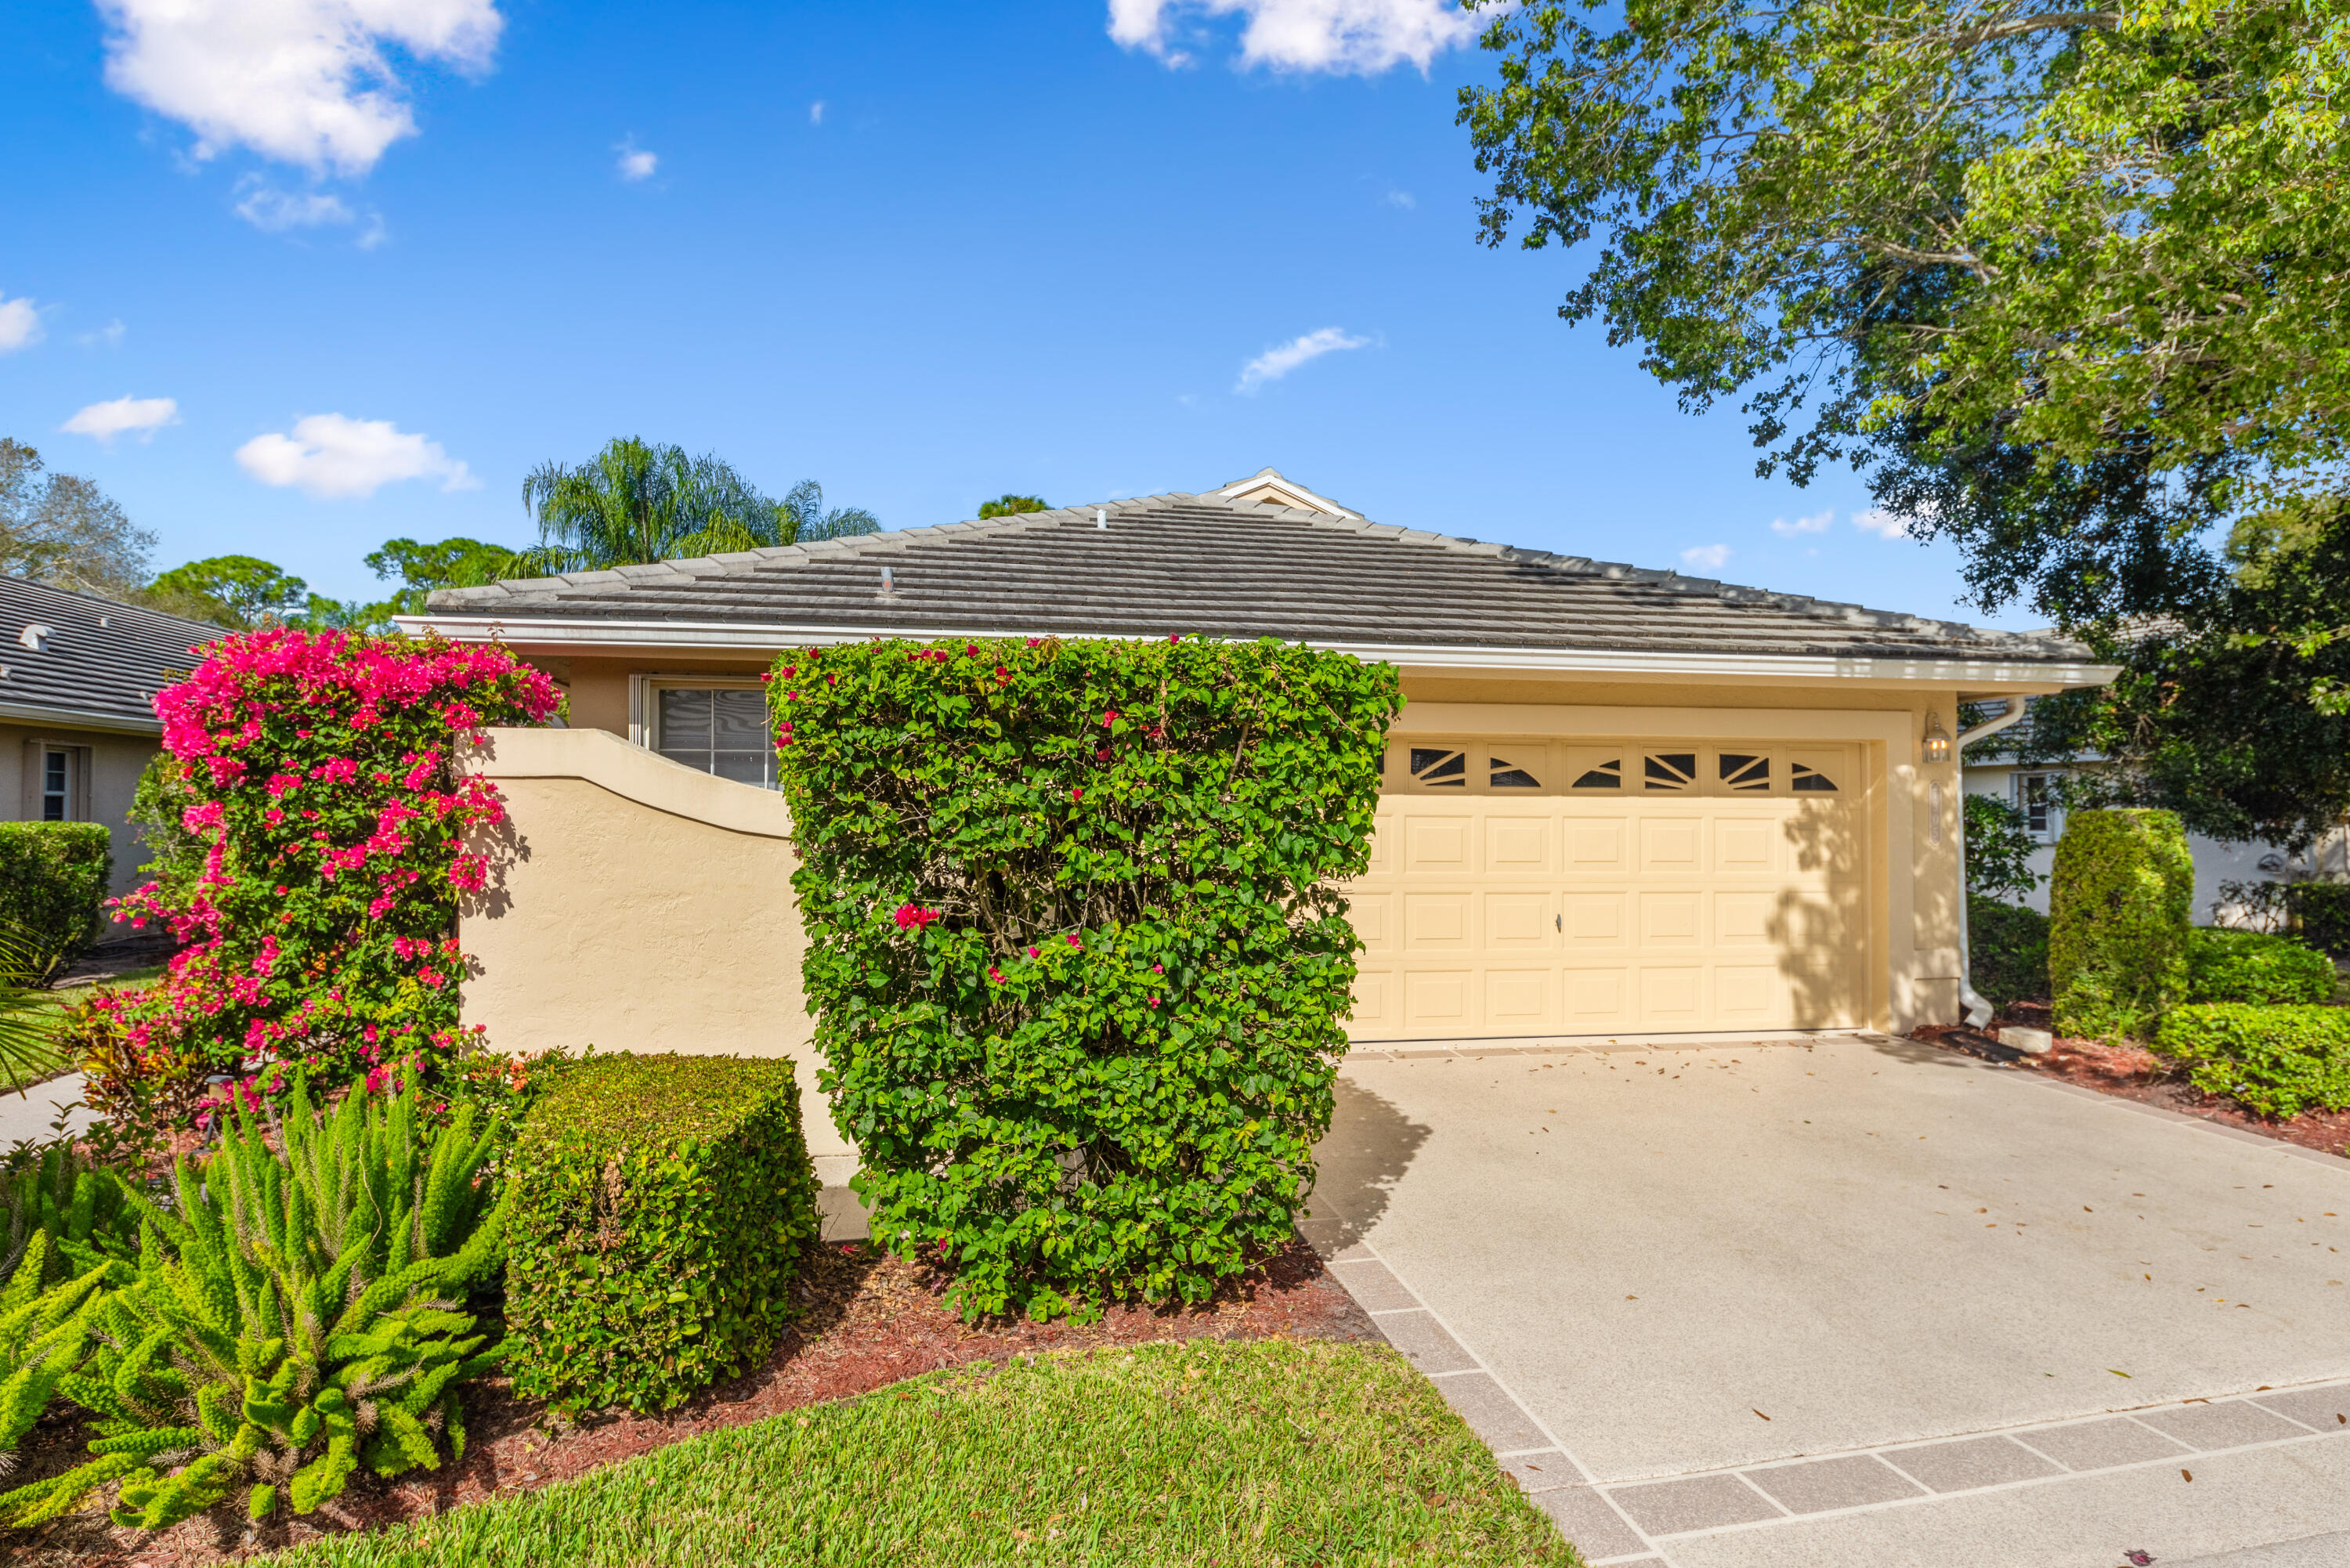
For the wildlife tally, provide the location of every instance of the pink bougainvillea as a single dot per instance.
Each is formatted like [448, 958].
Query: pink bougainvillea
[321, 786]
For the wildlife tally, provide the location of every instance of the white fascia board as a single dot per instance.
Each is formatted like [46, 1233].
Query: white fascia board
[537, 632]
[78, 719]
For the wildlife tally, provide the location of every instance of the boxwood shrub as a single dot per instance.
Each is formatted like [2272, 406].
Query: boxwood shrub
[2007, 951]
[663, 1206]
[2117, 920]
[53, 876]
[2279, 1060]
[1079, 960]
[2250, 966]
[2319, 913]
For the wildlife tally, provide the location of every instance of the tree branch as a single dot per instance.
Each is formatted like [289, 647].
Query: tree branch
[2046, 21]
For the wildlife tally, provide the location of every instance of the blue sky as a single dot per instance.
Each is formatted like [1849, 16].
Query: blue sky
[923, 253]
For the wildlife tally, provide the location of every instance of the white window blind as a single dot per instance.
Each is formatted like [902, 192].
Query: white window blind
[720, 729]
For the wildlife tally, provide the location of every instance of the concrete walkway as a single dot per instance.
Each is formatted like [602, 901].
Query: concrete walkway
[1846, 1302]
[29, 1114]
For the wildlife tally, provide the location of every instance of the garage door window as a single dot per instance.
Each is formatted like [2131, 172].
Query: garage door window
[1521, 767]
[1508, 775]
[1607, 775]
[1669, 769]
[1439, 767]
[1744, 771]
[1810, 779]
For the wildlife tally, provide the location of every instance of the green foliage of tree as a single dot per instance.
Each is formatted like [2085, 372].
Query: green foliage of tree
[292, 1317]
[64, 530]
[421, 569]
[2083, 263]
[235, 591]
[1998, 849]
[1075, 944]
[635, 502]
[2119, 908]
[1011, 505]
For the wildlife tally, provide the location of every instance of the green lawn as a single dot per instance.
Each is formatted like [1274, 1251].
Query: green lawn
[47, 1063]
[1275, 1452]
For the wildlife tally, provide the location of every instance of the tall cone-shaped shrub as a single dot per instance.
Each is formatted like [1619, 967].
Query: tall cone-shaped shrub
[2119, 908]
[1075, 945]
[296, 1317]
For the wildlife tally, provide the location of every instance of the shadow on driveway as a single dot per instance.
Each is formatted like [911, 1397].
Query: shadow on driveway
[1369, 1146]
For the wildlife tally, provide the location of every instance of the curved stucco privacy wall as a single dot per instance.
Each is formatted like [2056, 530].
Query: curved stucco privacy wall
[639, 905]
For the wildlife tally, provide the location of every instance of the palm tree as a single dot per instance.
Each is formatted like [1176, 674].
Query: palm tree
[635, 502]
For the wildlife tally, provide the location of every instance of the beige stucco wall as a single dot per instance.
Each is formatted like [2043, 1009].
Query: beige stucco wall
[112, 764]
[637, 905]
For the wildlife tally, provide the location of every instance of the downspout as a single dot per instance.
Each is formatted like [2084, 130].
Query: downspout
[1979, 1011]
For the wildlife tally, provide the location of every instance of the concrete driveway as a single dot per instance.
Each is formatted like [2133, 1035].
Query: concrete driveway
[1845, 1300]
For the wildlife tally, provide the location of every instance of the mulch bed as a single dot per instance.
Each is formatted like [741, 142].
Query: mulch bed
[2134, 1073]
[868, 1321]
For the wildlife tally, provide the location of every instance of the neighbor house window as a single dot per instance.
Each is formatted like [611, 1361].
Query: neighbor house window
[720, 729]
[57, 785]
[2035, 798]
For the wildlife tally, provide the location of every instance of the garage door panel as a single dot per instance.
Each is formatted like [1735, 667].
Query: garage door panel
[1372, 916]
[1594, 998]
[1375, 991]
[1672, 919]
[1517, 998]
[1437, 845]
[1745, 919]
[1673, 845]
[1597, 848]
[1520, 922]
[1437, 1000]
[1436, 922]
[1595, 920]
[1746, 847]
[1672, 997]
[1518, 847]
[1749, 995]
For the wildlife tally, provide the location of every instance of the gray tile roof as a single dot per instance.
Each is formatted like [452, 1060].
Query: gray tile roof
[101, 660]
[1201, 563]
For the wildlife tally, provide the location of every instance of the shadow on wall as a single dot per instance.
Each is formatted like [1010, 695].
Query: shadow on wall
[1821, 934]
[1369, 1146]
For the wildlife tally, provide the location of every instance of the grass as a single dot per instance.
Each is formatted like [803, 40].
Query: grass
[1275, 1452]
[48, 1059]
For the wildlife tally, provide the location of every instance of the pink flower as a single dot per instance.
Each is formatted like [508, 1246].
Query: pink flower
[995, 974]
[1154, 1002]
[1109, 718]
[1032, 952]
[1073, 939]
[914, 916]
[1158, 969]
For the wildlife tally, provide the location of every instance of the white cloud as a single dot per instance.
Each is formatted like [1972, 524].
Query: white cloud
[141, 416]
[1279, 361]
[1706, 557]
[106, 336]
[303, 81]
[1817, 523]
[816, 112]
[1362, 36]
[274, 210]
[636, 163]
[20, 324]
[330, 457]
[1881, 522]
[1404, 198]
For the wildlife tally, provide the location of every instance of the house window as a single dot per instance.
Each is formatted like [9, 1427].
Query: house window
[1439, 767]
[1507, 776]
[1669, 770]
[57, 785]
[719, 729]
[2035, 798]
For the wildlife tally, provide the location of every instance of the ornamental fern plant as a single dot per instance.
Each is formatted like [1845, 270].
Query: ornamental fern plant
[300, 1314]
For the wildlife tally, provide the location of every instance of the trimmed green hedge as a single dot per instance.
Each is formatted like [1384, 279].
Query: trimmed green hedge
[663, 1206]
[53, 878]
[1077, 944]
[2118, 907]
[2319, 913]
[2279, 1060]
[2250, 966]
[2007, 951]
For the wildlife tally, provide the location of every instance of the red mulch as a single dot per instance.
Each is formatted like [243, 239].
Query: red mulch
[868, 1321]
[2134, 1073]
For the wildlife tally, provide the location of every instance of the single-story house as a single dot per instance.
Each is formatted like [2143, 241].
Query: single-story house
[77, 681]
[1994, 767]
[1618, 800]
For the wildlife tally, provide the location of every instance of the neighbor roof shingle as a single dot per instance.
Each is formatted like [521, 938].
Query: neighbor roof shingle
[1200, 564]
[100, 660]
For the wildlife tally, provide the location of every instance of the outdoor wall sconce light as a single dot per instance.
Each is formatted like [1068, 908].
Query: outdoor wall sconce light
[1937, 740]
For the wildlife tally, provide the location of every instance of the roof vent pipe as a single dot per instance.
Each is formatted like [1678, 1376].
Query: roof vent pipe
[1101, 517]
[887, 586]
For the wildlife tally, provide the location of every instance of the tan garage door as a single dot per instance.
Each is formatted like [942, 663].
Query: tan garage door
[1552, 887]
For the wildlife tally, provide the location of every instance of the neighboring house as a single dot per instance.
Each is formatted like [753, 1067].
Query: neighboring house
[2034, 789]
[1618, 800]
[77, 681]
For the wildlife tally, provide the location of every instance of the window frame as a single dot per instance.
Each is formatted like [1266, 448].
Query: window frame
[2052, 811]
[645, 705]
